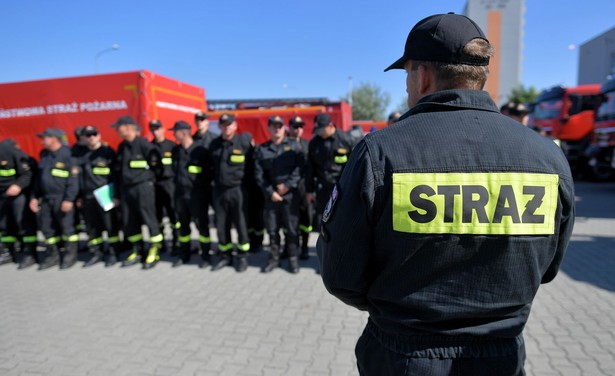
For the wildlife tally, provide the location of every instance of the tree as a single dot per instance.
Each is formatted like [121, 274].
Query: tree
[521, 94]
[369, 102]
[403, 105]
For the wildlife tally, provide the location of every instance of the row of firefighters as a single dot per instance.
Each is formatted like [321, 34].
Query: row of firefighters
[280, 186]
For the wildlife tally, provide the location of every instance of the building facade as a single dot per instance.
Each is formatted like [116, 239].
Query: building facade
[503, 23]
[597, 59]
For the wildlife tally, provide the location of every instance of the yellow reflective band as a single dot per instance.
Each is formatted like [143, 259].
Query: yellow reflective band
[156, 239]
[167, 161]
[340, 159]
[113, 239]
[71, 238]
[132, 256]
[135, 238]
[475, 203]
[138, 164]
[204, 239]
[194, 169]
[152, 255]
[8, 172]
[8, 239]
[244, 247]
[177, 225]
[225, 247]
[53, 240]
[60, 173]
[101, 170]
[30, 239]
[184, 239]
[238, 158]
[305, 228]
[96, 241]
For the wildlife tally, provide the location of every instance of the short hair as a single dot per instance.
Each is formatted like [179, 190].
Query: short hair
[462, 76]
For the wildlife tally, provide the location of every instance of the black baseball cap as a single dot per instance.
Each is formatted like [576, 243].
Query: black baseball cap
[441, 38]
[226, 118]
[321, 121]
[53, 132]
[124, 120]
[296, 122]
[89, 130]
[201, 116]
[155, 124]
[180, 126]
[275, 120]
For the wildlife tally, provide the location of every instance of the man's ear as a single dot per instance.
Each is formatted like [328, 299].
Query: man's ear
[426, 80]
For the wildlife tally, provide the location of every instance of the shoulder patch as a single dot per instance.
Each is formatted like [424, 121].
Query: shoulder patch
[330, 205]
[60, 165]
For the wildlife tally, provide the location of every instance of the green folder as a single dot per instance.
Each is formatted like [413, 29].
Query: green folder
[104, 196]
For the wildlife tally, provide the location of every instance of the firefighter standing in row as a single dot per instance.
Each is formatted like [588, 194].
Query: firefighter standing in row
[55, 191]
[138, 163]
[202, 133]
[329, 151]
[165, 186]
[97, 169]
[306, 210]
[192, 173]
[229, 154]
[278, 167]
[15, 178]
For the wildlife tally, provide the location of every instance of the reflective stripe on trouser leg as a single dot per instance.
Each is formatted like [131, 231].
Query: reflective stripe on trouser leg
[225, 247]
[243, 247]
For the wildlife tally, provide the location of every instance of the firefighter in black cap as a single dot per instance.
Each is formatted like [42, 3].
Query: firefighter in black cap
[15, 178]
[202, 134]
[444, 224]
[306, 210]
[55, 191]
[138, 164]
[328, 153]
[97, 169]
[193, 177]
[165, 185]
[229, 154]
[278, 167]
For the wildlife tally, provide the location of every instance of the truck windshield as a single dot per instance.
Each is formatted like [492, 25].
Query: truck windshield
[606, 110]
[547, 109]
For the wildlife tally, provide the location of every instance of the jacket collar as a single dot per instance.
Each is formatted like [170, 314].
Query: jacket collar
[454, 99]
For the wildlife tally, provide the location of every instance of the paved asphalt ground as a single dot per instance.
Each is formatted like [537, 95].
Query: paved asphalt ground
[190, 321]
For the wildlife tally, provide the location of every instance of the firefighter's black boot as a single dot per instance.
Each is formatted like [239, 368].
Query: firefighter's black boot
[153, 256]
[274, 258]
[51, 257]
[7, 253]
[97, 256]
[29, 256]
[305, 251]
[293, 259]
[242, 261]
[111, 256]
[226, 258]
[135, 256]
[205, 256]
[183, 256]
[70, 255]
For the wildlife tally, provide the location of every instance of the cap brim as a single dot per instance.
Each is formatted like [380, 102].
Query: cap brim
[41, 135]
[399, 64]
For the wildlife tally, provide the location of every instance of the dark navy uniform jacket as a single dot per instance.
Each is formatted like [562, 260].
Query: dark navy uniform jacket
[230, 159]
[97, 168]
[58, 175]
[277, 164]
[327, 158]
[14, 167]
[138, 161]
[165, 148]
[446, 222]
[191, 167]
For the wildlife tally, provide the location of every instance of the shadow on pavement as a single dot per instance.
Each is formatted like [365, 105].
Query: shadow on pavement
[591, 260]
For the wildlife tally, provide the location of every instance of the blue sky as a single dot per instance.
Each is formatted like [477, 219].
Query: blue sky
[266, 48]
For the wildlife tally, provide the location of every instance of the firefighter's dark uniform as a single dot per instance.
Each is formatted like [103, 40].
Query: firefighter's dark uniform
[77, 151]
[138, 162]
[442, 227]
[277, 164]
[97, 170]
[326, 159]
[306, 209]
[165, 188]
[229, 158]
[14, 170]
[255, 209]
[193, 178]
[57, 181]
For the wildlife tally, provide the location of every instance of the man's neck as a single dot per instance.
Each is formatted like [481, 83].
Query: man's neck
[187, 142]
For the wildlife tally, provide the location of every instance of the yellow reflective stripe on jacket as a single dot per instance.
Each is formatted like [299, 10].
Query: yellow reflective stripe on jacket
[101, 170]
[138, 164]
[60, 173]
[236, 158]
[475, 203]
[167, 161]
[194, 169]
[340, 159]
[8, 172]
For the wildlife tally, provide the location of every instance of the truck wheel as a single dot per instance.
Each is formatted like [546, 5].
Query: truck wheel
[601, 171]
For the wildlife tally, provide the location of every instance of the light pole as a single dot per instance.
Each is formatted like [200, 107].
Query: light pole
[112, 48]
[350, 90]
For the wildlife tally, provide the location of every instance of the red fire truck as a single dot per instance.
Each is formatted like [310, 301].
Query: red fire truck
[567, 115]
[601, 154]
